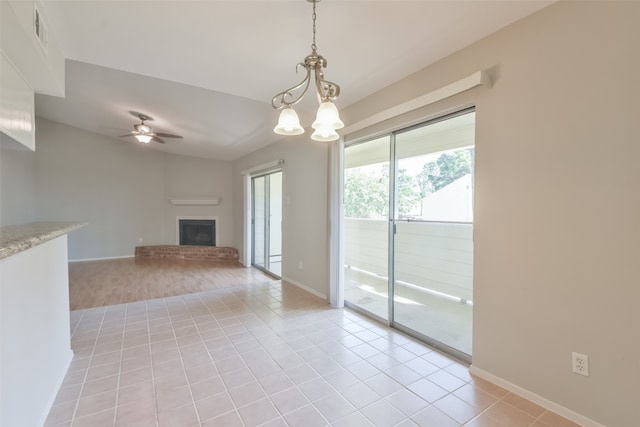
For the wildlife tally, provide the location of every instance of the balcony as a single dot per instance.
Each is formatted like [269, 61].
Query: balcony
[433, 275]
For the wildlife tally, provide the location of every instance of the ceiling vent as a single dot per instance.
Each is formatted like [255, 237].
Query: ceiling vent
[40, 29]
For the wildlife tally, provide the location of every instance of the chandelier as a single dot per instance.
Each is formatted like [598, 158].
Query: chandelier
[327, 119]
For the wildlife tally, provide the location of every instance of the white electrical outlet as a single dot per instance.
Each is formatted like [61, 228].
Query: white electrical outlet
[580, 364]
[300, 265]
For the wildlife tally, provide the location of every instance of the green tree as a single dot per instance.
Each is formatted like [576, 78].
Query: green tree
[446, 169]
[408, 192]
[366, 194]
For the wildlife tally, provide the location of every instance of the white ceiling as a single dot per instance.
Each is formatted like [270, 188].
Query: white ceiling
[207, 70]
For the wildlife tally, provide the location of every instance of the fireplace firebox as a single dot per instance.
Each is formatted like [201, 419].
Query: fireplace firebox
[197, 232]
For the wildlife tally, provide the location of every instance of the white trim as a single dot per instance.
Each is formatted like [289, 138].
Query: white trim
[304, 287]
[263, 167]
[476, 79]
[537, 399]
[211, 218]
[195, 201]
[246, 251]
[336, 225]
[58, 386]
[102, 258]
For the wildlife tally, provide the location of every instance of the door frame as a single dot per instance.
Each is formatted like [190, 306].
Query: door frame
[247, 174]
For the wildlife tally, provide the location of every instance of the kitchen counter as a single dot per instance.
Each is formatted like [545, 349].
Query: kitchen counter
[35, 339]
[18, 238]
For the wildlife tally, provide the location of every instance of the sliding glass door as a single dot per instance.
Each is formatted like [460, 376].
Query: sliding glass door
[366, 190]
[421, 255]
[266, 222]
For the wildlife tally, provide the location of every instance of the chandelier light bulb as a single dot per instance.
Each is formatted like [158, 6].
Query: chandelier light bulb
[324, 134]
[327, 117]
[288, 123]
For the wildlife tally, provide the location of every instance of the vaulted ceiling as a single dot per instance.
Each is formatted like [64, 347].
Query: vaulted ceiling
[207, 70]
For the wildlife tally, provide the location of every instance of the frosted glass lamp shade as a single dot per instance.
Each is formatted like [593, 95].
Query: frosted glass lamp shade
[144, 138]
[327, 117]
[288, 123]
[324, 134]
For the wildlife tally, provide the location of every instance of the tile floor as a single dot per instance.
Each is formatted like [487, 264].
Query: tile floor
[271, 355]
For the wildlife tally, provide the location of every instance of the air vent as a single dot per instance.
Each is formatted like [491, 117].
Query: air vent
[40, 29]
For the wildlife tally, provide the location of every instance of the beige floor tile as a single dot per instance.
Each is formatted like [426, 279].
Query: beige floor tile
[383, 384]
[427, 390]
[278, 354]
[509, 415]
[140, 391]
[307, 416]
[456, 408]
[214, 406]
[334, 407]
[258, 412]
[446, 380]
[96, 403]
[382, 414]
[61, 413]
[135, 412]
[489, 388]
[432, 416]
[355, 419]
[247, 393]
[407, 402]
[555, 420]
[484, 420]
[360, 395]
[523, 404]
[474, 396]
[289, 400]
[99, 419]
[184, 416]
[403, 375]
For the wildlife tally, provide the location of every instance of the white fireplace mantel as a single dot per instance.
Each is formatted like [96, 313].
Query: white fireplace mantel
[195, 200]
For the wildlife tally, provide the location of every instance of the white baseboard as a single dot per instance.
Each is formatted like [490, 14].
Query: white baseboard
[538, 400]
[306, 288]
[101, 259]
[56, 390]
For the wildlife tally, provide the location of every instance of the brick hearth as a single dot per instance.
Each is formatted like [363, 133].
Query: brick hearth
[203, 253]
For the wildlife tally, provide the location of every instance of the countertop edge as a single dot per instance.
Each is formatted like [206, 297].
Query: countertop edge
[18, 238]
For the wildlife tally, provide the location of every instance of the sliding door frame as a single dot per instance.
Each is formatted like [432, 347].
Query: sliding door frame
[393, 202]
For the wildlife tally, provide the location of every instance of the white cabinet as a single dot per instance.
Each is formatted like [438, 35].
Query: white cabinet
[17, 117]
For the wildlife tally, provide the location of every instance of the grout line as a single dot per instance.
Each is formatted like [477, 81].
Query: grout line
[124, 328]
[86, 375]
[153, 377]
[235, 408]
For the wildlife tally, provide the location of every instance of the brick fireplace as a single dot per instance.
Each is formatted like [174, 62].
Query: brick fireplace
[198, 253]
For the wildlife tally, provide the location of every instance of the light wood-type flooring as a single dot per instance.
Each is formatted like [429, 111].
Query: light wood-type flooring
[118, 281]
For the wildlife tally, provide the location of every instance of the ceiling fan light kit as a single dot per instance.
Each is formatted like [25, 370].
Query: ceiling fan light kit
[327, 119]
[144, 133]
[144, 138]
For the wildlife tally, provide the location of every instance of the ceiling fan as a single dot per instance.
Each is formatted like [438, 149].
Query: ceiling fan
[144, 133]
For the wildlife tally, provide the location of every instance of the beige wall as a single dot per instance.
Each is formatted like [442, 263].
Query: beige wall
[557, 203]
[304, 217]
[122, 190]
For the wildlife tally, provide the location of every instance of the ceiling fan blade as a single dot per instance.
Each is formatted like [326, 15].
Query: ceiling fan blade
[122, 136]
[167, 135]
[161, 141]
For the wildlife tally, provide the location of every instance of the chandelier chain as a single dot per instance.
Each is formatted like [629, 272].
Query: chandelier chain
[313, 17]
